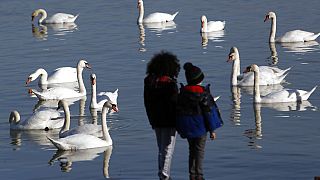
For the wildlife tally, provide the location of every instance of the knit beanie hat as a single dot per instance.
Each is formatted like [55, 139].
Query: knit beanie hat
[194, 75]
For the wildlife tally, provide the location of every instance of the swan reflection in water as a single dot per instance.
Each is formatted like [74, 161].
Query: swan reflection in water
[54, 103]
[66, 158]
[291, 106]
[301, 47]
[255, 134]
[274, 54]
[215, 36]
[235, 111]
[60, 29]
[154, 27]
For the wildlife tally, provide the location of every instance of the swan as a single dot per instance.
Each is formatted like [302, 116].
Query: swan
[42, 119]
[85, 141]
[211, 25]
[269, 75]
[110, 96]
[284, 95]
[55, 19]
[58, 93]
[91, 129]
[154, 17]
[290, 36]
[59, 75]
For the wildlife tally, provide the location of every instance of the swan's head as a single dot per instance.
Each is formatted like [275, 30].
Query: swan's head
[93, 79]
[84, 64]
[140, 4]
[110, 105]
[233, 54]
[14, 117]
[270, 15]
[34, 76]
[203, 20]
[35, 13]
[251, 68]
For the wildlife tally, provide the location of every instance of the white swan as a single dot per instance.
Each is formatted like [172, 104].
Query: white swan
[285, 95]
[60, 75]
[109, 96]
[269, 75]
[154, 17]
[291, 36]
[91, 129]
[85, 141]
[211, 25]
[55, 19]
[42, 119]
[58, 93]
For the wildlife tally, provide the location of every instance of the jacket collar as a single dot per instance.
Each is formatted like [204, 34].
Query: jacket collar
[194, 88]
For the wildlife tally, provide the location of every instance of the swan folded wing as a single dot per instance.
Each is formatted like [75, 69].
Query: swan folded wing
[297, 36]
[158, 17]
[280, 96]
[63, 74]
[89, 129]
[216, 25]
[61, 18]
[57, 93]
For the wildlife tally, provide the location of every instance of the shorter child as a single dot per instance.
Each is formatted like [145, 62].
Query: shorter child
[194, 117]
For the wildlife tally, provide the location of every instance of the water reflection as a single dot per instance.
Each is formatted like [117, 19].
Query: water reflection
[67, 158]
[215, 36]
[264, 90]
[142, 35]
[54, 103]
[40, 31]
[301, 47]
[236, 99]
[159, 27]
[255, 134]
[37, 136]
[274, 54]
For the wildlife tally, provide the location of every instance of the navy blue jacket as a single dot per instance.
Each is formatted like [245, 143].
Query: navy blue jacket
[194, 108]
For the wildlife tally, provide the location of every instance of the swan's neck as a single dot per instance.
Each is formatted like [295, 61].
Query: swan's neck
[235, 71]
[205, 26]
[273, 30]
[43, 76]
[14, 117]
[66, 125]
[82, 88]
[141, 12]
[43, 15]
[105, 131]
[256, 90]
[93, 103]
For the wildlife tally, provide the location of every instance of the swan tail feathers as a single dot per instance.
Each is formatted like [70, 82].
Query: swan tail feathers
[284, 75]
[307, 95]
[60, 145]
[175, 14]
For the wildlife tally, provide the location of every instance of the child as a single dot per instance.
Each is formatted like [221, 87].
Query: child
[160, 100]
[194, 117]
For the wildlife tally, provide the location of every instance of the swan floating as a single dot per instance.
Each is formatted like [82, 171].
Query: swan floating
[211, 25]
[54, 19]
[290, 36]
[42, 119]
[91, 129]
[269, 75]
[60, 75]
[109, 96]
[58, 93]
[153, 17]
[284, 95]
[85, 141]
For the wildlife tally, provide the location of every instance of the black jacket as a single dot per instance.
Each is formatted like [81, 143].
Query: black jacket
[160, 98]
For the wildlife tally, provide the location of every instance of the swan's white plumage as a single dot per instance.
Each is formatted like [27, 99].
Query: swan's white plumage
[269, 75]
[211, 25]
[84, 141]
[42, 119]
[154, 17]
[284, 95]
[54, 19]
[59, 75]
[58, 93]
[290, 36]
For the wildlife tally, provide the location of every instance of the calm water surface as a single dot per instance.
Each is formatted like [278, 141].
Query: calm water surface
[257, 142]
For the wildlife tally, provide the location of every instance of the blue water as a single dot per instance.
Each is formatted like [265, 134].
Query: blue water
[281, 143]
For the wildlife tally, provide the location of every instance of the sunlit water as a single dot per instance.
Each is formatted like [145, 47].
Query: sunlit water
[257, 142]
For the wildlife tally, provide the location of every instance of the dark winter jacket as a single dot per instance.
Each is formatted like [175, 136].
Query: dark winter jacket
[160, 98]
[194, 111]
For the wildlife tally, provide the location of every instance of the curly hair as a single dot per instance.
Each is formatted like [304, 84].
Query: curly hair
[164, 63]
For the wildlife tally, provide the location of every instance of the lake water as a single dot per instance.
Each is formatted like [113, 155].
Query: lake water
[276, 142]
